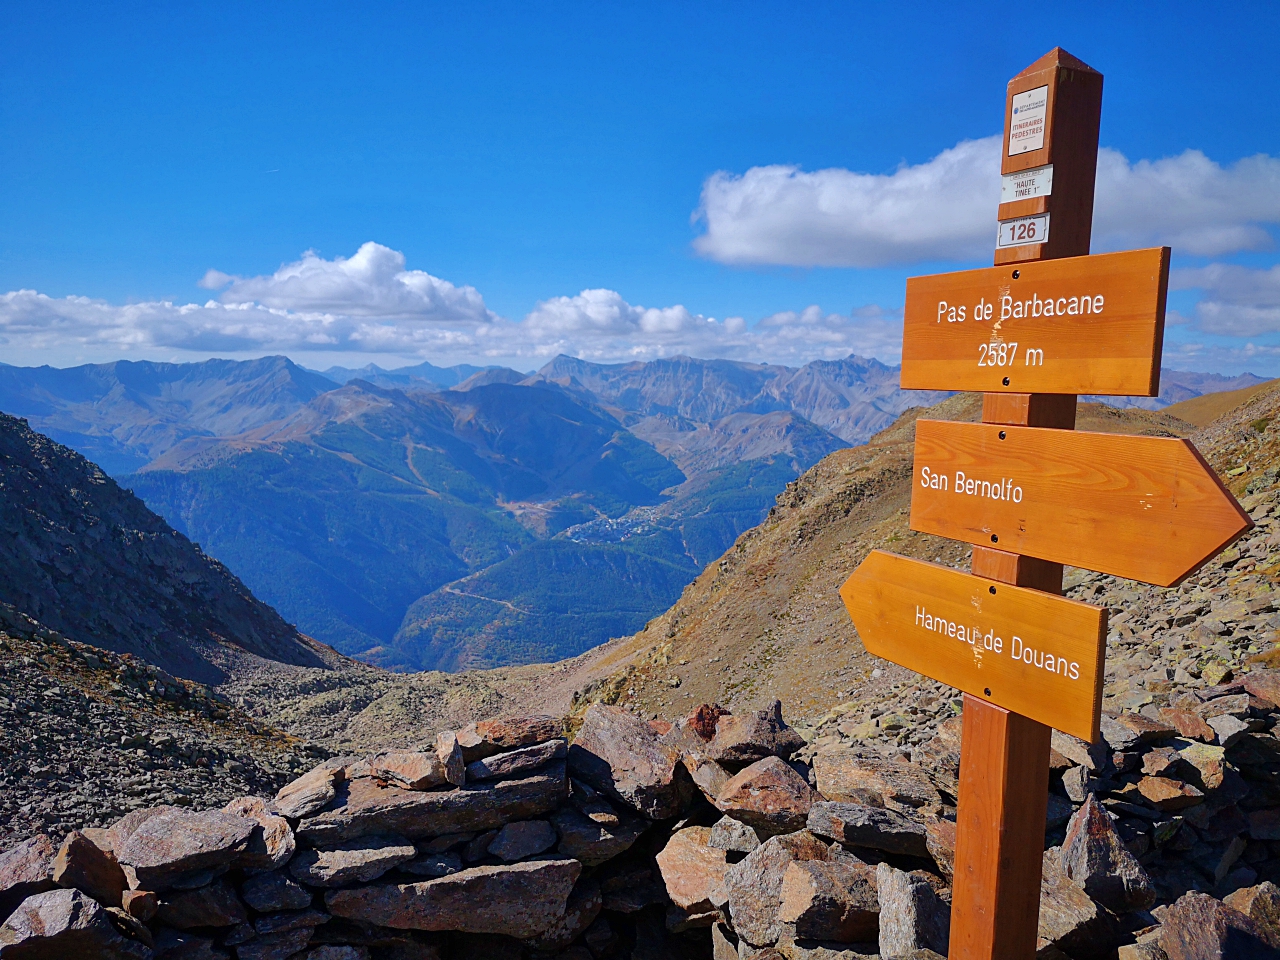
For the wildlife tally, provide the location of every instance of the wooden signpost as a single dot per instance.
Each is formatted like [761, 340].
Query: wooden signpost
[1030, 495]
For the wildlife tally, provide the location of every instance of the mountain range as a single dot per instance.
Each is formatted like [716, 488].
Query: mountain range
[449, 518]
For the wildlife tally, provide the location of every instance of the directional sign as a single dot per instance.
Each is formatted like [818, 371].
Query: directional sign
[1027, 651]
[1145, 508]
[1077, 325]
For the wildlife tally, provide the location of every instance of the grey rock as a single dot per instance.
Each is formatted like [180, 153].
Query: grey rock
[912, 915]
[745, 738]
[1198, 927]
[354, 861]
[272, 892]
[312, 791]
[272, 844]
[61, 924]
[524, 838]
[1228, 728]
[1069, 919]
[1094, 856]
[592, 842]
[621, 755]
[213, 906]
[733, 836]
[177, 842]
[830, 900]
[433, 865]
[516, 762]
[277, 946]
[856, 825]
[754, 886]
[292, 920]
[25, 870]
[580, 912]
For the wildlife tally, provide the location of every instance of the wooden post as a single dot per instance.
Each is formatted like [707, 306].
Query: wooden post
[1004, 758]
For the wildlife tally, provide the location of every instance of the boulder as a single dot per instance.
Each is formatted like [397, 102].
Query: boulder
[126, 826]
[844, 776]
[272, 844]
[580, 912]
[857, 825]
[271, 892]
[733, 836]
[1263, 683]
[64, 924]
[1198, 927]
[1169, 795]
[741, 739]
[940, 840]
[484, 739]
[411, 770]
[620, 755]
[364, 806]
[179, 841]
[516, 763]
[692, 870]
[213, 906]
[753, 887]
[312, 791]
[1091, 756]
[449, 752]
[519, 900]
[139, 904]
[1229, 729]
[912, 915]
[1188, 724]
[1125, 731]
[768, 795]
[352, 861]
[81, 865]
[1261, 904]
[1094, 856]
[591, 841]
[830, 900]
[521, 839]
[707, 775]
[24, 870]
[1069, 919]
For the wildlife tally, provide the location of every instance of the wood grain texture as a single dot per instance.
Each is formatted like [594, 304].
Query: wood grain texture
[1004, 791]
[1028, 651]
[1113, 352]
[1144, 508]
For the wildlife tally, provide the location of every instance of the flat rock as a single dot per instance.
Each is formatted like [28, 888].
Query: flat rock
[1198, 927]
[177, 842]
[1069, 919]
[741, 739]
[912, 915]
[1169, 795]
[1228, 729]
[692, 870]
[272, 844]
[844, 776]
[213, 906]
[518, 900]
[126, 826]
[272, 892]
[733, 836]
[830, 900]
[64, 924]
[1094, 856]
[1128, 730]
[521, 839]
[487, 737]
[433, 864]
[1188, 724]
[364, 806]
[591, 841]
[24, 870]
[352, 861]
[411, 770]
[1092, 756]
[274, 923]
[1262, 682]
[80, 864]
[754, 885]
[620, 755]
[515, 763]
[1261, 904]
[768, 795]
[312, 791]
[858, 825]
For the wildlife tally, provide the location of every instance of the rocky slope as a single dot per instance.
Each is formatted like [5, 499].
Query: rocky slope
[89, 560]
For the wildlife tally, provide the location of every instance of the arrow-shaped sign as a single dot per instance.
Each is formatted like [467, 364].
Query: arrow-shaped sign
[1027, 651]
[1144, 508]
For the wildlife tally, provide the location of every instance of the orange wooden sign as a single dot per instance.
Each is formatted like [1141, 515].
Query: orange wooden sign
[1025, 650]
[1076, 325]
[1144, 508]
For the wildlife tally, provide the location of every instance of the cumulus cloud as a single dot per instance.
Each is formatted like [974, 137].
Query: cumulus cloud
[1236, 301]
[944, 209]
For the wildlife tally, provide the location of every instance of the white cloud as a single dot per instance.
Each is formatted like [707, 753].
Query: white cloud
[1237, 301]
[944, 209]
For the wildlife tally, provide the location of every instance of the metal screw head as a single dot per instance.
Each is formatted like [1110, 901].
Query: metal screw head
[991, 590]
[986, 691]
[1016, 274]
[1001, 434]
[1006, 381]
[994, 538]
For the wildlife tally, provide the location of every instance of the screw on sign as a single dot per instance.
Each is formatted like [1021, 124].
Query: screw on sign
[1046, 323]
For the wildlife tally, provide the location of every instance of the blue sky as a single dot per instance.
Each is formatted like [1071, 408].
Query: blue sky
[532, 174]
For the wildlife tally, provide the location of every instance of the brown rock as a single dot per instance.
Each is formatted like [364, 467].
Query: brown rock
[80, 864]
[745, 738]
[353, 861]
[912, 915]
[1125, 731]
[767, 795]
[24, 870]
[1069, 919]
[213, 906]
[580, 912]
[484, 739]
[693, 871]
[449, 752]
[940, 840]
[272, 892]
[754, 886]
[272, 844]
[1094, 856]
[521, 839]
[830, 900]
[179, 841]
[703, 720]
[1091, 756]
[413, 771]
[1198, 927]
[519, 900]
[312, 791]
[591, 841]
[126, 826]
[1188, 724]
[618, 754]
[1165, 794]
[516, 762]
[857, 825]
[707, 775]
[1262, 683]
[1261, 904]
[61, 925]
[140, 904]
[363, 807]
[842, 775]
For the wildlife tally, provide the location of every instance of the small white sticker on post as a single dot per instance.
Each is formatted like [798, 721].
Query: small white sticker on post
[1026, 184]
[1024, 230]
[1026, 123]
